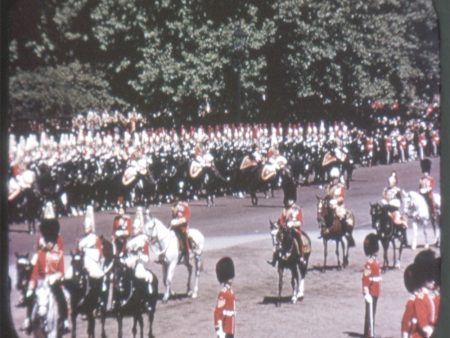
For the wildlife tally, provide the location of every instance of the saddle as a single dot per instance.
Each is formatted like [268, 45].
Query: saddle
[195, 169]
[247, 162]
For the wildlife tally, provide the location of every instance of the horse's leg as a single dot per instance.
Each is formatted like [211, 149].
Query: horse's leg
[91, 325]
[385, 254]
[301, 287]
[345, 251]
[337, 254]
[325, 253]
[280, 283]
[103, 319]
[197, 260]
[141, 325]
[188, 285]
[295, 284]
[169, 277]
[414, 239]
[119, 324]
[74, 321]
[425, 233]
[135, 320]
[394, 247]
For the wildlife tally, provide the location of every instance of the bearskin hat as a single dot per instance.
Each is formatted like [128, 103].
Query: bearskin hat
[425, 262]
[49, 226]
[225, 269]
[425, 165]
[410, 278]
[370, 244]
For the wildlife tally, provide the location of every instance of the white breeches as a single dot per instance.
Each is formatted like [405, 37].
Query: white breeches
[93, 267]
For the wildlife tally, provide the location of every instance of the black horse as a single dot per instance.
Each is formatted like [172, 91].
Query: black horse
[388, 233]
[131, 297]
[289, 258]
[87, 295]
[23, 274]
[332, 228]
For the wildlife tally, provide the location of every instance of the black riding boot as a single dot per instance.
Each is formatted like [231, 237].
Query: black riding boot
[62, 306]
[273, 262]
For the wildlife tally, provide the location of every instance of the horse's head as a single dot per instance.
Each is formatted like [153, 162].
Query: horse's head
[42, 300]
[150, 225]
[375, 214]
[23, 269]
[77, 264]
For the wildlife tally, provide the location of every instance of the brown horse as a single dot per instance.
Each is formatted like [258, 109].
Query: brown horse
[332, 228]
[289, 258]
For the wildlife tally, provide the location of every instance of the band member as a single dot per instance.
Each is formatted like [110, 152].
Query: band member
[49, 267]
[291, 218]
[371, 281]
[181, 215]
[426, 186]
[225, 311]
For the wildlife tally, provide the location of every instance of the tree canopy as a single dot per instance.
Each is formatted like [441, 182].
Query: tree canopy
[293, 60]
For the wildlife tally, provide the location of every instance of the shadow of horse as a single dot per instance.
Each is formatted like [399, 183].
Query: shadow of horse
[276, 300]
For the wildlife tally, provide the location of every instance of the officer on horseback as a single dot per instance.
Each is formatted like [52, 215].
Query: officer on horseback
[392, 201]
[181, 215]
[335, 192]
[225, 311]
[426, 186]
[49, 266]
[91, 247]
[138, 251]
[291, 218]
[122, 228]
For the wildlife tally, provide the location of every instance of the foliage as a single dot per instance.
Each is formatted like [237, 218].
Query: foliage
[176, 56]
[59, 91]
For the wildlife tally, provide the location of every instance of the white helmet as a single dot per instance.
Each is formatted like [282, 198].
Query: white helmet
[49, 212]
[334, 172]
[89, 222]
[395, 203]
[138, 224]
[392, 180]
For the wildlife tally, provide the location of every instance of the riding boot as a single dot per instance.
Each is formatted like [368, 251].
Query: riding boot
[273, 262]
[62, 305]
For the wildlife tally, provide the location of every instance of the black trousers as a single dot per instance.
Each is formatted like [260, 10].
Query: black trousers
[368, 321]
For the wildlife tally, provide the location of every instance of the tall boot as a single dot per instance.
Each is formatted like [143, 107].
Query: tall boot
[273, 262]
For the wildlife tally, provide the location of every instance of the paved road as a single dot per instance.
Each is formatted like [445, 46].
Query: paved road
[236, 228]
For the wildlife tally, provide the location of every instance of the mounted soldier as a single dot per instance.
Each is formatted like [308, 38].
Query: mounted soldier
[291, 219]
[335, 193]
[426, 186]
[49, 267]
[138, 251]
[392, 202]
[122, 229]
[181, 215]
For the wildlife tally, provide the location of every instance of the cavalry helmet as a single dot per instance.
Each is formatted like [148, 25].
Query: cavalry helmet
[392, 180]
[334, 172]
[89, 222]
[49, 226]
[425, 165]
[225, 269]
[370, 244]
[395, 203]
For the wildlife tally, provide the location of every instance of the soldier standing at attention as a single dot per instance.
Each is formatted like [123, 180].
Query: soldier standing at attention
[371, 281]
[225, 311]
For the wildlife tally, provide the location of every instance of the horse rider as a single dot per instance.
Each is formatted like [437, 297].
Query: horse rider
[181, 215]
[392, 201]
[426, 186]
[371, 282]
[49, 267]
[138, 251]
[335, 192]
[91, 247]
[122, 229]
[291, 218]
[225, 310]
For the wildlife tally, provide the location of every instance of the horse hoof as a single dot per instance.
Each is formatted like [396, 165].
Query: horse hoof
[294, 300]
[300, 298]
[194, 295]
[190, 293]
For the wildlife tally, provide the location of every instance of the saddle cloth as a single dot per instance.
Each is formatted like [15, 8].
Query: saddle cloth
[328, 158]
[195, 169]
[129, 175]
[247, 163]
[268, 172]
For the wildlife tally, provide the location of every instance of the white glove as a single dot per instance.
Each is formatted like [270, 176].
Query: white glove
[368, 298]
[219, 332]
[29, 293]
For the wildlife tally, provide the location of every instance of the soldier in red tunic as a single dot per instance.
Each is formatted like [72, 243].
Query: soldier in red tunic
[181, 214]
[225, 311]
[122, 229]
[409, 321]
[426, 186]
[49, 266]
[371, 281]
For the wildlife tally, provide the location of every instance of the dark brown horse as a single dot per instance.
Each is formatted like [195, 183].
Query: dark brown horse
[332, 228]
[289, 258]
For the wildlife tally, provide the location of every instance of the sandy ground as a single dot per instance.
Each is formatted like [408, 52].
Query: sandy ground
[333, 304]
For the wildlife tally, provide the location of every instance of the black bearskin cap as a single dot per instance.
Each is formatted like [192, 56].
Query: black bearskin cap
[426, 266]
[425, 165]
[49, 229]
[225, 269]
[370, 244]
[410, 278]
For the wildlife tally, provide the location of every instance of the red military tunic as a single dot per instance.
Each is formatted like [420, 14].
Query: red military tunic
[225, 310]
[409, 319]
[122, 223]
[371, 278]
[369, 145]
[427, 184]
[182, 210]
[48, 263]
[423, 140]
[294, 213]
[388, 143]
[59, 243]
[425, 313]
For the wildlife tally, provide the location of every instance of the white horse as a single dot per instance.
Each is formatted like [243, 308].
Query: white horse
[416, 208]
[170, 253]
[45, 313]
